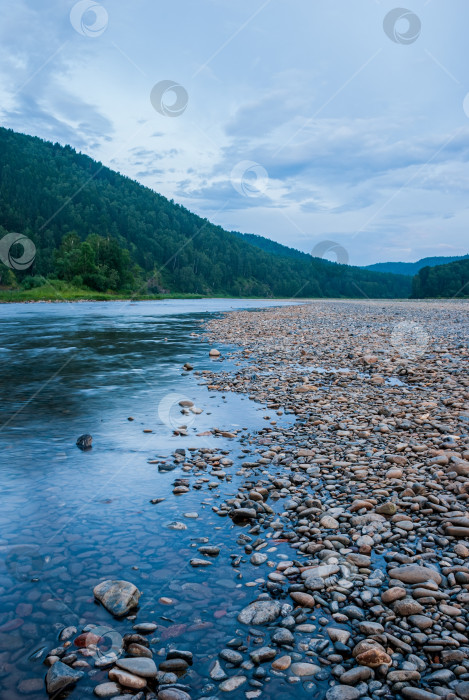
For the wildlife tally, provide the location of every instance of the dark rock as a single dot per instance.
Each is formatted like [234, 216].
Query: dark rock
[60, 676]
[84, 442]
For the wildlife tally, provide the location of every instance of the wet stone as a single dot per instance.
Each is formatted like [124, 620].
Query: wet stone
[107, 690]
[119, 597]
[145, 627]
[259, 656]
[413, 573]
[260, 612]
[144, 667]
[231, 656]
[304, 670]
[129, 680]
[355, 675]
[173, 694]
[216, 672]
[31, 685]
[177, 666]
[232, 683]
[342, 692]
[61, 677]
[282, 663]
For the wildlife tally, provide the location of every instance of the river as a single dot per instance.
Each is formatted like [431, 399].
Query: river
[70, 519]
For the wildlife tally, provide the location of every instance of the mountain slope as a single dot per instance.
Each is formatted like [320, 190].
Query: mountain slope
[272, 247]
[450, 281]
[96, 227]
[402, 268]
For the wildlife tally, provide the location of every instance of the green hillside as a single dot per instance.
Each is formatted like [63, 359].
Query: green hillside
[450, 280]
[96, 229]
[272, 247]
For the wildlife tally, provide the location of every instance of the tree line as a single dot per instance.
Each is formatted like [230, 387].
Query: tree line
[96, 228]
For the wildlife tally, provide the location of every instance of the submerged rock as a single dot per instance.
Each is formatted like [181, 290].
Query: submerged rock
[84, 442]
[60, 677]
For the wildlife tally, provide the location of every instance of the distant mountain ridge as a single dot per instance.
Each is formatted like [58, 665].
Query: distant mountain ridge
[411, 269]
[396, 268]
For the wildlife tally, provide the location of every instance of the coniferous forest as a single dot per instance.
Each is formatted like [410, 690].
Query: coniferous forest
[451, 280]
[98, 230]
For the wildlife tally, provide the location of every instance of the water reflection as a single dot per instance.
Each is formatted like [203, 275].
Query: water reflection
[70, 519]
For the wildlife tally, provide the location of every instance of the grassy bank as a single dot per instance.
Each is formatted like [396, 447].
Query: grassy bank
[56, 290]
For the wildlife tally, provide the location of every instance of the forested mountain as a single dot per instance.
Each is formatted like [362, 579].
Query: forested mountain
[272, 246]
[402, 268]
[97, 229]
[450, 280]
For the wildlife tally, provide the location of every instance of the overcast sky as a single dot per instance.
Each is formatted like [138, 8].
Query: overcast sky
[299, 120]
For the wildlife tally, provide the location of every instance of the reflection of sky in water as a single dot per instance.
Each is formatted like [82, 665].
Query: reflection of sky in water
[87, 516]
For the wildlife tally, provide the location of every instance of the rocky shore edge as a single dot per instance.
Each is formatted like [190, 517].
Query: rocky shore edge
[369, 487]
[372, 487]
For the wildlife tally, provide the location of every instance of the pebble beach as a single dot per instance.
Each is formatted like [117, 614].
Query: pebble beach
[370, 488]
[344, 521]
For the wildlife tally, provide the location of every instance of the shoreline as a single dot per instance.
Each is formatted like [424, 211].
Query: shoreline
[325, 556]
[195, 297]
[374, 477]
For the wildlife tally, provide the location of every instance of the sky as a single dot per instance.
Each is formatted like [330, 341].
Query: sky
[300, 120]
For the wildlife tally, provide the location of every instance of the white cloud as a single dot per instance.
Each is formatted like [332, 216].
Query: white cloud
[362, 139]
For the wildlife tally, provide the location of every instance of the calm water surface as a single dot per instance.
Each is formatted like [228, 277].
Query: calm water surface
[70, 519]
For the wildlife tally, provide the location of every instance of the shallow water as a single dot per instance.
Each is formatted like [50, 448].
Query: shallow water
[70, 519]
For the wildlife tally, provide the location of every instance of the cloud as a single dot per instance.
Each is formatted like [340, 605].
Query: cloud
[37, 61]
[362, 140]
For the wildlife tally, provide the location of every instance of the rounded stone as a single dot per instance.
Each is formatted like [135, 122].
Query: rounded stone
[127, 679]
[304, 670]
[107, 690]
[342, 692]
[261, 612]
